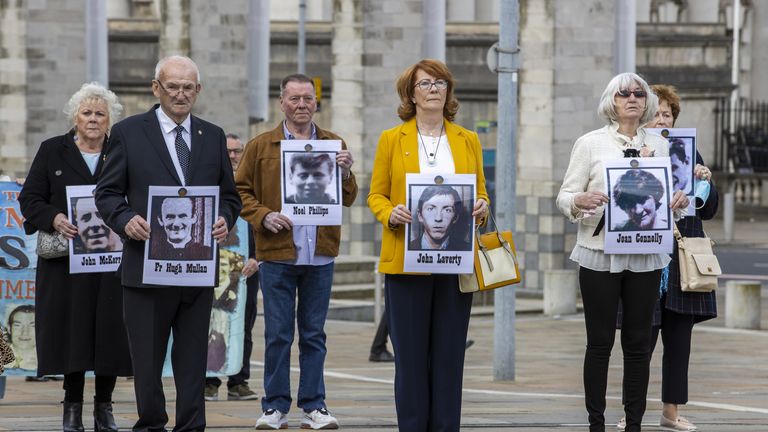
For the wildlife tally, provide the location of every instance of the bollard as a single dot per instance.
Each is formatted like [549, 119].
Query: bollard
[742, 304]
[560, 287]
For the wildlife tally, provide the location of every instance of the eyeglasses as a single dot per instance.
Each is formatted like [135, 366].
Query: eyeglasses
[174, 89]
[625, 93]
[426, 85]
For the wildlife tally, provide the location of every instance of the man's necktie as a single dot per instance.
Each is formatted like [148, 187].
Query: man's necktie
[182, 151]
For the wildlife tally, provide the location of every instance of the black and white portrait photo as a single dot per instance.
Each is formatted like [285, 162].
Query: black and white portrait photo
[181, 228]
[443, 218]
[181, 250]
[638, 216]
[682, 158]
[310, 181]
[440, 237]
[95, 248]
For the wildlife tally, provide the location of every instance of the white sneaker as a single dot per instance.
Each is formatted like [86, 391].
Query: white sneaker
[319, 419]
[621, 424]
[272, 419]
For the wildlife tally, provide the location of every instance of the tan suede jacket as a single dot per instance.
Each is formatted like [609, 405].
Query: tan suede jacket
[258, 182]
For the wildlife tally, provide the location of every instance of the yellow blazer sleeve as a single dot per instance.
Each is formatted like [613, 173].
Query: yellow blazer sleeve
[482, 193]
[381, 181]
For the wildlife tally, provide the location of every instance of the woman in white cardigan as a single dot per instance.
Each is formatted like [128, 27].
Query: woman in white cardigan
[627, 104]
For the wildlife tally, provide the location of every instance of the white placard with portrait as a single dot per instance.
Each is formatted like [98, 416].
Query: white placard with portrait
[682, 157]
[638, 217]
[310, 181]
[440, 238]
[181, 250]
[95, 248]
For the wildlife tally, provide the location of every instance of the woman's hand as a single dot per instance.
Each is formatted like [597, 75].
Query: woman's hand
[702, 172]
[481, 210]
[399, 216]
[679, 201]
[590, 200]
[251, 266]
[62, 225]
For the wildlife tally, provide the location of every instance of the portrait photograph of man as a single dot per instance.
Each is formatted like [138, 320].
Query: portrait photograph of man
[639, 200]
[443, 218]
[680, 157]
[310, 178]
[93, 235]
[181, 228]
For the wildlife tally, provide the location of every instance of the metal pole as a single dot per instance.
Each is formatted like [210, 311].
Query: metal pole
[433, 28]
[302, 54]
[506, 172]
[258, 61]
[625, 15]
[728, 214]
[96, 40]
[735, 63]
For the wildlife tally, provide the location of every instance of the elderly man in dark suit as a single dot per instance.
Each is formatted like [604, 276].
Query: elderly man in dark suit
[165, 147]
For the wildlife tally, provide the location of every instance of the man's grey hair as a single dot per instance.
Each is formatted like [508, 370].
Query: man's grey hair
[623, 81]
[163, 61]
[94, 90]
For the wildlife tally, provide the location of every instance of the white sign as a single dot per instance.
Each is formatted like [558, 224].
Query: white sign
[682, 157]
[181, 250]
[310, 181]
[440, 238]
[638, 219]
[96, 248]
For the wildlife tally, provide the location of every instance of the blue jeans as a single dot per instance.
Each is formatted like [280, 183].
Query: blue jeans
[279, 285]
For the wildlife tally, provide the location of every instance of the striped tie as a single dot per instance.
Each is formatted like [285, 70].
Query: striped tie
[182, 151]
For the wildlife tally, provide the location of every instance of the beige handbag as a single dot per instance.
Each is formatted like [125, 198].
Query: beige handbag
[495, 262]
[699, 267]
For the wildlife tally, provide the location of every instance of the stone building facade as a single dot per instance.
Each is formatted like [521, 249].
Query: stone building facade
[358, 48]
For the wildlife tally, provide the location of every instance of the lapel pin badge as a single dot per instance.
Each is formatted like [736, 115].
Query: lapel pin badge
[199, 131]
[58, 172]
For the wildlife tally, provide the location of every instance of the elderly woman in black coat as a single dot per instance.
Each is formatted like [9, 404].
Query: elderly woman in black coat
[79, 324]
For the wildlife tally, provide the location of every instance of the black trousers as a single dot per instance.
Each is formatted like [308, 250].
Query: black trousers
[428, 321]
[151, 315]
[242, 377]
[600, 293]
[676, 330]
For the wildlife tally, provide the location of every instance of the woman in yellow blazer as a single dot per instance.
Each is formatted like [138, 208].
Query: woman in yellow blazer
[428, 316]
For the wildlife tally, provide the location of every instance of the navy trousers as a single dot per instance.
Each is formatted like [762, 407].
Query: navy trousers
[428, 321]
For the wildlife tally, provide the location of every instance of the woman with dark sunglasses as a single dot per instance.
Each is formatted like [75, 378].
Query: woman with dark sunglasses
[626, 104]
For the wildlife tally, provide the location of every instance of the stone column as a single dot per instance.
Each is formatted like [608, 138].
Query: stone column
[56, 66]
[348, 87]
[567, 60]
[174, 24]
[13, 102]
[218, 46]
[460, 10]
[759, 17]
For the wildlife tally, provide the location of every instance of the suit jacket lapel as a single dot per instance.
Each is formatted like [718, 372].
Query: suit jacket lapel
[459, 147]
[197, 136]
[156, 140]
[409, 145]
[73, 158]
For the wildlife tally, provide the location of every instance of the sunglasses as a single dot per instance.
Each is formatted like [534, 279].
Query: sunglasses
[625, 93]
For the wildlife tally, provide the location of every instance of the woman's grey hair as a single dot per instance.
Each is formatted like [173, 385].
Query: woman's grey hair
[94, 90]
[165, 60]
[607, 107]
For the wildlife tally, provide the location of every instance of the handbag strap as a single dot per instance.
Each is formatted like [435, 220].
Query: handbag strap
[502, 241]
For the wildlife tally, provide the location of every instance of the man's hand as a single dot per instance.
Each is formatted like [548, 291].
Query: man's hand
[275, 222]
[137, 228]
[62, 225]
[251, 267]
[679, 200]
[220, 230]
[345, 161]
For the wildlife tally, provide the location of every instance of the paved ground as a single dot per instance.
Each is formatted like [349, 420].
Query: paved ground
[728, 379]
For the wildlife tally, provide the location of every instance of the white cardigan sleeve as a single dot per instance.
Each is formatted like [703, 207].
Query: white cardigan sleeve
[576, 179]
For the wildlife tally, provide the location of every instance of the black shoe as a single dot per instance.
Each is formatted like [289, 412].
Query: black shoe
[73, 417]
[36, 379]
[382, 356]
[103, 420]
[470, 342]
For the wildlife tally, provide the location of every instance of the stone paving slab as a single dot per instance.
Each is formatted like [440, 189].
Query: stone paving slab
[728, 383]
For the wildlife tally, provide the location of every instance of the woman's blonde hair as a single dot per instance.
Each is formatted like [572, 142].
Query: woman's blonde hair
[405, 87]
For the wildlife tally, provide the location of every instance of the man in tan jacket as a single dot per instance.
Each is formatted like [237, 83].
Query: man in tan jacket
[297, 262]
